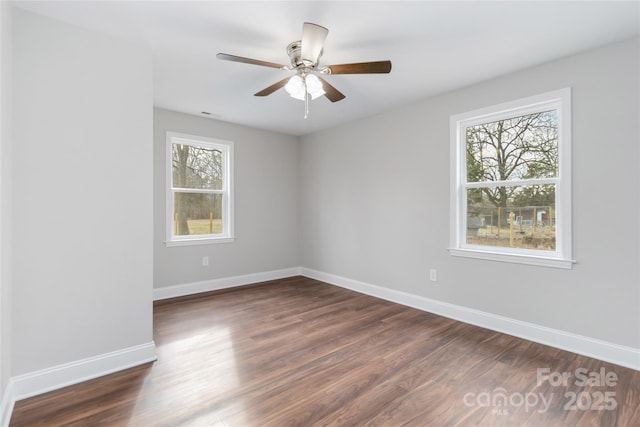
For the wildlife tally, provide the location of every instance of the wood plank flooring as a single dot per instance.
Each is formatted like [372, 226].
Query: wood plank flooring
[298, 352]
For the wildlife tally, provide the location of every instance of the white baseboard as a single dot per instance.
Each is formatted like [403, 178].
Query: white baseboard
[598, 349]
[6, 408]
[223, 283]
[34, 383]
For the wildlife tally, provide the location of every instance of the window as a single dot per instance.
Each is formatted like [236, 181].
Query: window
[199, 190]
[511, 181]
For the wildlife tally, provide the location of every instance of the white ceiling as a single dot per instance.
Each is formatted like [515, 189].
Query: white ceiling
[434, 47]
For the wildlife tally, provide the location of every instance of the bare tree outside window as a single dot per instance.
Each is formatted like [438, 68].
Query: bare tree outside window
[509, 163]
[197, 172]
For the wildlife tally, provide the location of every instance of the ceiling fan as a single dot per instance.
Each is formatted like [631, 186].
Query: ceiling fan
[304, 55]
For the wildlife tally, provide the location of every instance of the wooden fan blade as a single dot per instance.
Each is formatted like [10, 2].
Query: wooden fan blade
[361, 68]
[234, 58]
[313, 37]
[331, 92]
[274, 87]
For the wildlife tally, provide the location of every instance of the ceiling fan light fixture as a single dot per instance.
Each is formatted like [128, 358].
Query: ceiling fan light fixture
[299, 86]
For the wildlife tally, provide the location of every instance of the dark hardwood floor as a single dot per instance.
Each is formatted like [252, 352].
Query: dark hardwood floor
[298, 352]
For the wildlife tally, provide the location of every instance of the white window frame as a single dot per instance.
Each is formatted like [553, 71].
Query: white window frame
[226, 147]
[559, 100]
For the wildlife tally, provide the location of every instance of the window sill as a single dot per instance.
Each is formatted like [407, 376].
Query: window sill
[207, 241]
[540, 261]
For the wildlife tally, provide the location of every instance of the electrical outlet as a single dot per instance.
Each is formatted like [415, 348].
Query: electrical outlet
[205, 261]
[433, 275]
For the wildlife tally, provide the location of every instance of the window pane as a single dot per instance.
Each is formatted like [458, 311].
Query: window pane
[523, 147]
[517, 217]
[196, 167]
[197, 213]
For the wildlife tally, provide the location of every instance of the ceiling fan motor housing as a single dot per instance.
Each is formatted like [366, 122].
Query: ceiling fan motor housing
[294, 51]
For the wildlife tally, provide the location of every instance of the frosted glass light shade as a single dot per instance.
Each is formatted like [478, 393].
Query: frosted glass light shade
[314, 86]
[295, 87]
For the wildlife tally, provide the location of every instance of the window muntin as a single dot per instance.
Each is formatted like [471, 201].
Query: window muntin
[511, 181]
[199, 190]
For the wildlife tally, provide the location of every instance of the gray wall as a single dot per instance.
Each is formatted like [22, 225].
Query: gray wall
[82, 201]
[266, 204]
[5, 195]
[374, 202]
